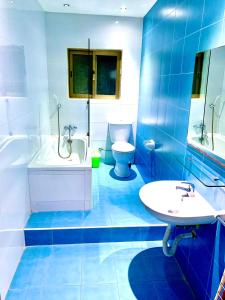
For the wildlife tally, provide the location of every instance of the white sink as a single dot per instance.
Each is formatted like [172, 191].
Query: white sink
[169, 205]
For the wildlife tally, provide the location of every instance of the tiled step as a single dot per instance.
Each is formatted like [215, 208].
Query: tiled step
[53, 236]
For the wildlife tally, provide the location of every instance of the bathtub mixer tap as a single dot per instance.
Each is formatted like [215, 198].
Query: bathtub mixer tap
[201, 129]
[71, 130]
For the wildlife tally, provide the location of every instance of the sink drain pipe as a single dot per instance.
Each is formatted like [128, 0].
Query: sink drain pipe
[170, 251]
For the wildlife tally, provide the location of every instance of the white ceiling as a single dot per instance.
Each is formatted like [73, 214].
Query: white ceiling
[135, 8]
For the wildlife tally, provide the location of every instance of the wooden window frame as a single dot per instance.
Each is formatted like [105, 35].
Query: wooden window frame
[197, 77]
[94, 53]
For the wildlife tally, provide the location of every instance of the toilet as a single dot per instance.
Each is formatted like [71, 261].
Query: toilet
[122, 151]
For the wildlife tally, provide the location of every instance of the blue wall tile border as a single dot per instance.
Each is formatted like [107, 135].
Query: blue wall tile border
[93, 235]
[39, 237]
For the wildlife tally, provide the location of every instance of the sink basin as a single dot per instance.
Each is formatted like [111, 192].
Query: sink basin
[169, 205]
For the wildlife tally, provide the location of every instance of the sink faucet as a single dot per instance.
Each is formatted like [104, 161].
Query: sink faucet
[190, 188]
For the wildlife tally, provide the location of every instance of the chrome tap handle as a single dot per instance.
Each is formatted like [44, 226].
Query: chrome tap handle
[190, 185]
[188, 189]
[70, 128]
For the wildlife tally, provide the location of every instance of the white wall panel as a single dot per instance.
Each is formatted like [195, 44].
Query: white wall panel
[24, 118]
[72, 31]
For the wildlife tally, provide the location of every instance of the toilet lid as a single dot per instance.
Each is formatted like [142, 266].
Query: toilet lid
[122, 147]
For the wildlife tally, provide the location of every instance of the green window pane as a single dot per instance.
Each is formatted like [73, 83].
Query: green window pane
[106, 75]
[82, 74]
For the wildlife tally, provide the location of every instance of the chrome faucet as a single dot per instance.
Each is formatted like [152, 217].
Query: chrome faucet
[201, 129]
[71, 130]
[189, 189]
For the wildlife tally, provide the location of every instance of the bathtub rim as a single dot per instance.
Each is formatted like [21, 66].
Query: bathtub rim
[214, 155]
[33, 166]
[210, 159]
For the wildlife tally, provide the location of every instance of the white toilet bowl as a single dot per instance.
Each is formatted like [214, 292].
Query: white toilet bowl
[123, 154]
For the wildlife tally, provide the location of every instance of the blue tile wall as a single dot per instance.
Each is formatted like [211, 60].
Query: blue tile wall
[173, 31]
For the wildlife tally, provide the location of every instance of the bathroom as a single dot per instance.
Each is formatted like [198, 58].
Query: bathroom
[70, 231]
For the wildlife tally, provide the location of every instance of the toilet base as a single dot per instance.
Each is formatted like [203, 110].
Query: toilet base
[122, 170]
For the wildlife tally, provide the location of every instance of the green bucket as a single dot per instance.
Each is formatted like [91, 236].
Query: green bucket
[95, 159]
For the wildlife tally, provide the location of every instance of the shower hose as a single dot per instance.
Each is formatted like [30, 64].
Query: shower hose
[69, 141]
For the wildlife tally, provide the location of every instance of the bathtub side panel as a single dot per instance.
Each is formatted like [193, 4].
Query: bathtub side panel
[60, 190]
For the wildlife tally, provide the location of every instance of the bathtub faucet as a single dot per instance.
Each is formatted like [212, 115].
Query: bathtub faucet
[71, 130]
[201, 128]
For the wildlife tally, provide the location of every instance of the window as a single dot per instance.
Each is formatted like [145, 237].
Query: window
[95, 73]
[197, 80]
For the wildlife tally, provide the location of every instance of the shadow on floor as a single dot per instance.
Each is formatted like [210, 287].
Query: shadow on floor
[132, 176]
[155, 276]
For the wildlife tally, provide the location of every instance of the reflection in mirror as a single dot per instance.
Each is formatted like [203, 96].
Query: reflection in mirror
[200, 74]
[207, 116]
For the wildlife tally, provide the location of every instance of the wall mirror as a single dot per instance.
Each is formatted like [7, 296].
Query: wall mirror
[206, 133]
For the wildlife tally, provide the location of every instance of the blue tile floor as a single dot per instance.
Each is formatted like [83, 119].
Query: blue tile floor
[116, 203]
[103, 271]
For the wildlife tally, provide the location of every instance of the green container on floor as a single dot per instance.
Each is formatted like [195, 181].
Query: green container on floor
[95, 159]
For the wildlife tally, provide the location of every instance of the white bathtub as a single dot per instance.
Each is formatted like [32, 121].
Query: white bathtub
[219, 144]
[58, 184]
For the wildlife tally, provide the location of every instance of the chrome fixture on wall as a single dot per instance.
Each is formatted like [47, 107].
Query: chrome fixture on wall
[201, 129]
[71, 129]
